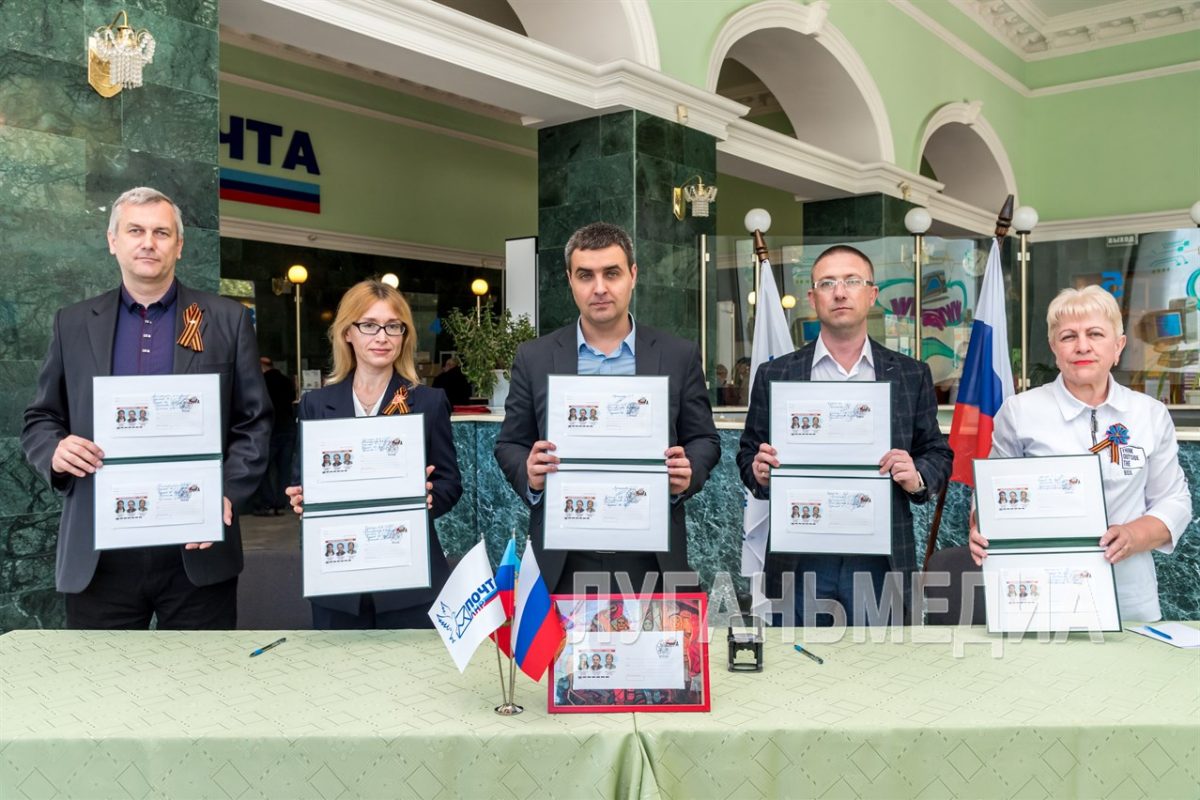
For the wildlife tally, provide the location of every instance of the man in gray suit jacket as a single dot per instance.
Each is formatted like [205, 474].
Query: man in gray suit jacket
[133, 330]
[605, 341]
[918, 462]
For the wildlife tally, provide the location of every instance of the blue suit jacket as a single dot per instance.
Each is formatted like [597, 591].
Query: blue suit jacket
[914, 428]
[337, 401]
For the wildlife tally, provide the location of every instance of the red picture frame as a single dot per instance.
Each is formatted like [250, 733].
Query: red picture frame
[623, 619]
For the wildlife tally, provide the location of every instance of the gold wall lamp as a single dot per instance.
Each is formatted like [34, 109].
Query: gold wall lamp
[699, 195]
[116, 55]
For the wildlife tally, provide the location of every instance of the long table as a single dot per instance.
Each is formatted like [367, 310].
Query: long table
[386, 714]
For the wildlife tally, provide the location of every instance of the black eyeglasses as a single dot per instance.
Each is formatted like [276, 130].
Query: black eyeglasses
[372, 328]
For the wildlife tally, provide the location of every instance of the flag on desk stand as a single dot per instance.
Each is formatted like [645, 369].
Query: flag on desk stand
[537, 631]
[468, 607]
[986, 377]
[771, 340]
[506, 581]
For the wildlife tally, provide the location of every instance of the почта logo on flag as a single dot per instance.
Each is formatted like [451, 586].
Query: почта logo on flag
[457, 622]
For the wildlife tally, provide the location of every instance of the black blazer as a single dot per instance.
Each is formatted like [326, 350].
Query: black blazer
[914, 428]
[336, 401]
[80, 349]
[691, 424]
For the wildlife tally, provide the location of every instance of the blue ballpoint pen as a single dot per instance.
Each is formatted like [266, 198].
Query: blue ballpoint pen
[1157, 632]
[267, 647]
[810, 654]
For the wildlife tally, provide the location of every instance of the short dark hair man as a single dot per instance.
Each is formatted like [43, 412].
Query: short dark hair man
[919, 462]
[602, 275]
[133, 330]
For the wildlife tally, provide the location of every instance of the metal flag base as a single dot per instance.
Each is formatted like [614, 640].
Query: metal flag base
[509, 709]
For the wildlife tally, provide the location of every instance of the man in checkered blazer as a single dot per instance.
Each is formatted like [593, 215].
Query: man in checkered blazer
[919, 462]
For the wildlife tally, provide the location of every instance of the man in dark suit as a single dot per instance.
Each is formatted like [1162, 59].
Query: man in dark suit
[919, 462]
[605, 341]
[135, 329]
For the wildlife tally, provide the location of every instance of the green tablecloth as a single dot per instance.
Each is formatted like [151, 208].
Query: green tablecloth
[385, 714]
[381, 714]
[975, 717]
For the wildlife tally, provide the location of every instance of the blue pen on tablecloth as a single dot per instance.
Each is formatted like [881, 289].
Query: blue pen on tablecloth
[1157, 632]
[267, 647]
[810, 654]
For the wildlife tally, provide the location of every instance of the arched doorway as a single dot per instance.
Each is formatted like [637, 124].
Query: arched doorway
[811, 72]
[963, 152]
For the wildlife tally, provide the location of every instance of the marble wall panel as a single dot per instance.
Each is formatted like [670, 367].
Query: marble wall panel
[190, 183]
[714, 520]
[48, 29]
[621, 168]
[54, 97]
[65, 154]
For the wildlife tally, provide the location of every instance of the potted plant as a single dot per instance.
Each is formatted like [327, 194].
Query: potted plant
[486, 347]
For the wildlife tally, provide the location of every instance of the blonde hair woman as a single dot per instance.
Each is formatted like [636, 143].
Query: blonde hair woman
[374, 373]
[1148, 501]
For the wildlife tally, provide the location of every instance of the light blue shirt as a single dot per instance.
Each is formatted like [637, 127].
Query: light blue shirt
[621, 361]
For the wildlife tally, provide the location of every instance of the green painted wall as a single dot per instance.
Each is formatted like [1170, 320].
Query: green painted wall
[334, 86]
[1123, 149]
[736, 196]
[384, 179]
[1108, 151]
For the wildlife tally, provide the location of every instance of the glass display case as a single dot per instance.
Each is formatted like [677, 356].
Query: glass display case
[1155, 278]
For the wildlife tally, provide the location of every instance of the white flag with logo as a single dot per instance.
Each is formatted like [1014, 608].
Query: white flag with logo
[771, 340]
[468, 608]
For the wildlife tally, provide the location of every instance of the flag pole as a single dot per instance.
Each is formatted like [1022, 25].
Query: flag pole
[510, 707]
[1003, 223]
[500, 671]
[499, 665]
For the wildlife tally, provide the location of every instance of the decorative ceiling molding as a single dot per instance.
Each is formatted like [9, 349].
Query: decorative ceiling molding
[971, 115]
[1002, 75]
[240, 228]
[1089, 227]
[1022, 27]
[545, 84]
[783, 154]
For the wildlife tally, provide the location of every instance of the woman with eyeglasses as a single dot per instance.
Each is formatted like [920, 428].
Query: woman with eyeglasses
[374, 373]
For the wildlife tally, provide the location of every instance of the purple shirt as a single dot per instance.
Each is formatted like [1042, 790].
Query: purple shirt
[144, 343]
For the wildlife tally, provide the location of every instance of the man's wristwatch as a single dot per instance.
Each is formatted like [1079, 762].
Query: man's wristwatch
[920, 484]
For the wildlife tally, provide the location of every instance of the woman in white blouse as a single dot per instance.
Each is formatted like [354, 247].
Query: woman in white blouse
[1149, 504]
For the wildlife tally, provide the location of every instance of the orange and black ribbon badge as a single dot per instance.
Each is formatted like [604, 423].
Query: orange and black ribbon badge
[1114, 437]
[190, 337]
[399, 404]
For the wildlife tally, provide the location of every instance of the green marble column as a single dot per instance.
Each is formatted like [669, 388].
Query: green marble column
[849, 218]
[620, 168]
[65, 154]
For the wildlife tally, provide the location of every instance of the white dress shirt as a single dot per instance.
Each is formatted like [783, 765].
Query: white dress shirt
[1049, 420]
[826, 368]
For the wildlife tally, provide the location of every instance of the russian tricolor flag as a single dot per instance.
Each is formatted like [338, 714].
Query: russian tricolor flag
[987, 375]
[538, 633]
[506, 581]
[265, 190]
